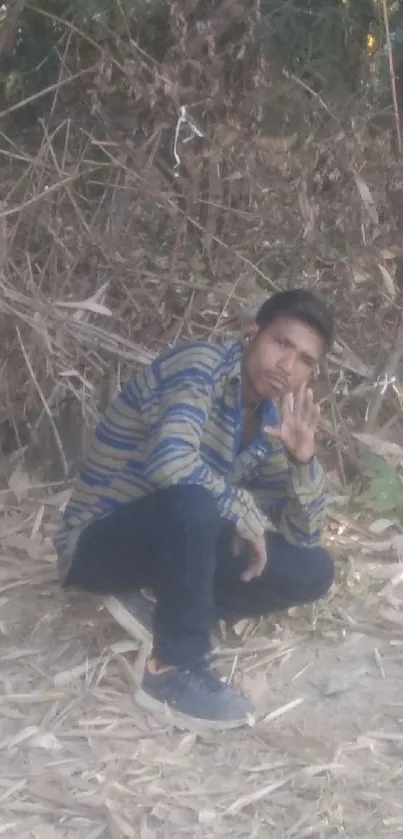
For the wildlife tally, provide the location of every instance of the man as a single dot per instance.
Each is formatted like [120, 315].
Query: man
[193, 460]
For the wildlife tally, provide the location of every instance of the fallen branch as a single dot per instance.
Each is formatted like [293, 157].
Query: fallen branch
[392, 76]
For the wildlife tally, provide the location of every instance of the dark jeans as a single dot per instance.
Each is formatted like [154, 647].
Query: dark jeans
[174, 542]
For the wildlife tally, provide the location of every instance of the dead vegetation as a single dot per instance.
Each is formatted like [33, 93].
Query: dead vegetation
[159, 201]
[152, 201]
[169, 202]
[77, 758]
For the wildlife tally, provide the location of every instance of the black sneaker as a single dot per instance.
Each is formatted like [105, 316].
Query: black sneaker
[195, 698]
[134, 612]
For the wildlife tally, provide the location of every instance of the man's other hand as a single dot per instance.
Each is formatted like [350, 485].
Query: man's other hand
[257, 555]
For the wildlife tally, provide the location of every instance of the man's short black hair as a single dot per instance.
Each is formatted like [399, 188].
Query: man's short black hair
[302, 305]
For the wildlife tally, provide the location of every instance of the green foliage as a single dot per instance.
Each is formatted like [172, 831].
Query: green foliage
[322, 41]
[378, 487]
[34, 62]
[42, 35]
[318, 39]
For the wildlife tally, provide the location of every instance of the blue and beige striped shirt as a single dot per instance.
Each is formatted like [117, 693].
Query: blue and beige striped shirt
[179, 421]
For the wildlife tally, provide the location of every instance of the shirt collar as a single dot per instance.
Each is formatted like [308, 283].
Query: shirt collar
[237, 350]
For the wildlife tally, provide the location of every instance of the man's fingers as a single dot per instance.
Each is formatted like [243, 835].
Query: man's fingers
[237, 544]
[286, 412]
[257, 560]
[287, 406]
[256, 565]
[300, 401]
[248, 575]
[252, 573]
[273, 431]
[305, 408]
[308, 404]
[313, 416]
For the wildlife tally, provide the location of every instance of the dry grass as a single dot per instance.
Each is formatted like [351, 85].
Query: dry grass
[77, 758]
[109, 250]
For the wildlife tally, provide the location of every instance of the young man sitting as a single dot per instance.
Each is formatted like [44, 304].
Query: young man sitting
[190, 464]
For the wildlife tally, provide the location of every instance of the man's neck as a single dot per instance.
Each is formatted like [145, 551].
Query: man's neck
[250, 399]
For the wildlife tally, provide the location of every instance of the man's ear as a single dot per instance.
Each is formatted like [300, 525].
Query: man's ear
[250, 332]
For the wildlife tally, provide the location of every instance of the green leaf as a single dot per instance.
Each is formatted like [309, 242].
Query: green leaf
[378, 487]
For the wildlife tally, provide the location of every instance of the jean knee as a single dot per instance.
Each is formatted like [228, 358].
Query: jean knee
[197, 506]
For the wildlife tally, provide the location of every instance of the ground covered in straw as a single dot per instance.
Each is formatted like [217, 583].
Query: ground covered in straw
[150, 202]
[78, 759]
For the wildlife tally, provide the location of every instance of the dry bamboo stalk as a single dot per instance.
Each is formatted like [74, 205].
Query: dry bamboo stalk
[392, 76]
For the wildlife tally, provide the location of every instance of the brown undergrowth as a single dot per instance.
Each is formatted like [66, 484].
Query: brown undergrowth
[151, 202]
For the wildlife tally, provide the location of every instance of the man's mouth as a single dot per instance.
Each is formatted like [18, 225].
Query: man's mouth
[278, 384]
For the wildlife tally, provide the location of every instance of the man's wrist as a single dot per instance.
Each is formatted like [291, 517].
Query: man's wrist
[296, 461]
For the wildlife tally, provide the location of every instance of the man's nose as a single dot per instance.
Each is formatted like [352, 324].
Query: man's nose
[286, 362]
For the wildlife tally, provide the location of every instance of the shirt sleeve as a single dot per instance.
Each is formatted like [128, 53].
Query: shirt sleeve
[174, 456]
[293, 497]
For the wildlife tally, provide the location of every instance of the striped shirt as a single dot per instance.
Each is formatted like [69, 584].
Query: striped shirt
[179, 421]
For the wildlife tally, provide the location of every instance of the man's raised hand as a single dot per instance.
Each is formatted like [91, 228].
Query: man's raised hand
[299, 419]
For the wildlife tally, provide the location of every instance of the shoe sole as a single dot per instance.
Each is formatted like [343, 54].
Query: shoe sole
[154, 706]
[128, 621]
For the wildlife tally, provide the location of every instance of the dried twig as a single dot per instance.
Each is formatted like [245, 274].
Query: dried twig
[334, 425]
[392, 75]
[387, 373]
[311, 92]
[38, 388]
[87, 71]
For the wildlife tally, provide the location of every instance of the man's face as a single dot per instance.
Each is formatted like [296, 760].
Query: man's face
[279, 358]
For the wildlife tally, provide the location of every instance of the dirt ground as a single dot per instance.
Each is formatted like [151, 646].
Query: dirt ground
[78, 759]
